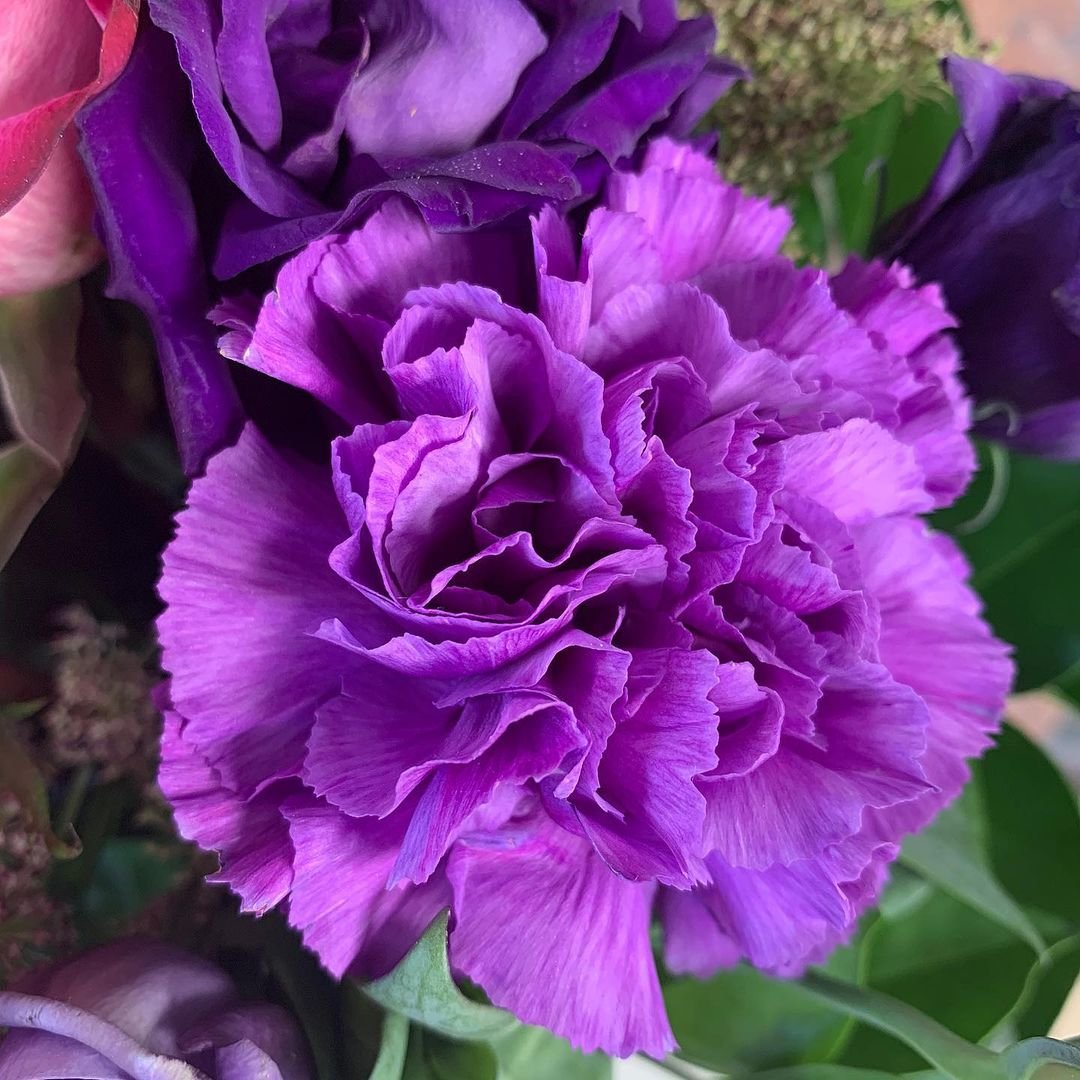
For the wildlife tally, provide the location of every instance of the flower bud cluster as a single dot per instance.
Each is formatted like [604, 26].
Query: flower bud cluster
[103, 714]
[814, 65]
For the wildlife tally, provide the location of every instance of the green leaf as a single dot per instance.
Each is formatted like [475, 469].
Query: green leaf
[1049, 985]
[26, 482]
[859, 171]
[1035, 1059]
[742, 1020]
[949, 854]
[451, 1060]
[42, 401]
[532, 1053]
[99, 820]
[390, 1063]
[1019, 554]
[828, 1072]
[1032, 826]
[337, 1021]
[936, 1044]
[947, 961]
[922, 136]
[128, 875]
[891, 153]
[422, 988]
[836, 212]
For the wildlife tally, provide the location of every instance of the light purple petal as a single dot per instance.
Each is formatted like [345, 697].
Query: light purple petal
[594, 982]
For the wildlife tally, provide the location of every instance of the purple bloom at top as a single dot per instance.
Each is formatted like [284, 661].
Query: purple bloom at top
[307, 113]
[609, 601]
[143, 1010]
[999, 228]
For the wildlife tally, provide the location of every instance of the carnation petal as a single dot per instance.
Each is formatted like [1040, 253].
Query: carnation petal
[595, 981]
[694, 943]
[665, 740]
[933, 640]
[538, 737]
[858, 471]
[695, 219]
[249, 559]
[250, 836]
[806, 796]
[340, 902]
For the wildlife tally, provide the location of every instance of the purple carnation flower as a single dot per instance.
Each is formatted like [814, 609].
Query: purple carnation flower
[308, 112]
[999, 228]
[611, 601]
[144, 1010]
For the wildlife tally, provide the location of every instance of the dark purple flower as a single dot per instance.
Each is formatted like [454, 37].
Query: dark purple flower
[143, 1010]
[612, 599]
[308, 112]
[999, 228]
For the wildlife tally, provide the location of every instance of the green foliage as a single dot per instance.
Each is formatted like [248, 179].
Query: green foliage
[530, 1053]
[1027, 511]
[950, 856]
[975, 939]
[891, 153]
[422, 988]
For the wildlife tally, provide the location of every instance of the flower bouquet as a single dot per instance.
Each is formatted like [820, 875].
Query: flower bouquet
[520, 520]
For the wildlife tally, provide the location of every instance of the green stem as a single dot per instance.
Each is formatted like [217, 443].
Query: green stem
[942, 1048]
[823, 185]
[74, 798]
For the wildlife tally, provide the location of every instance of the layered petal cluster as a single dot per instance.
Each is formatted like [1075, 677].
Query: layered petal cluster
[142, 1010]
[610, 600]
[999, 228]
[307, 114]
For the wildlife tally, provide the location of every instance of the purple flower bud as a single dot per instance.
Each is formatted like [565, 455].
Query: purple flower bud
[999, 228]
[144, 1010]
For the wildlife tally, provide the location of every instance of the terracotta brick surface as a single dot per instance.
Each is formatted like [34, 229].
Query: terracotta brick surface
[1038, 37]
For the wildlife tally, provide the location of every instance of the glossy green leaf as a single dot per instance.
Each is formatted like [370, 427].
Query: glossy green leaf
[422, 988]
[1042, 1059]
[1032, 826]
[937, 1045]
[1032, 530]
[891, 153]
[742, 1020]
[947, 961]
[921, 137]
[532, 1053]
[831, 1072]
[949, 855]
